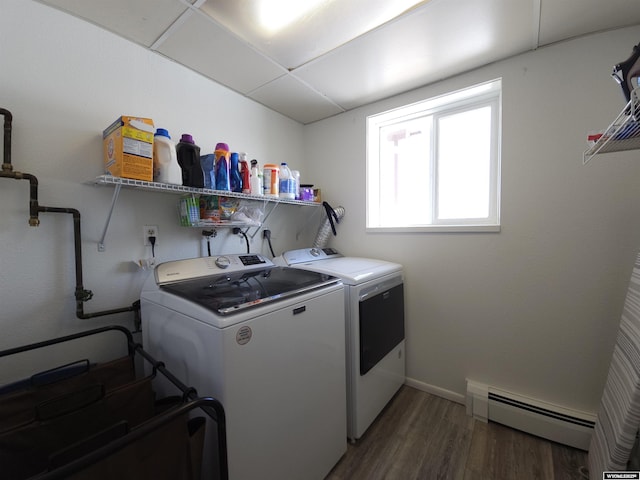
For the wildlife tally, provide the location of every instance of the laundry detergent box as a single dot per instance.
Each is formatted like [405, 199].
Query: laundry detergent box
[128, 148]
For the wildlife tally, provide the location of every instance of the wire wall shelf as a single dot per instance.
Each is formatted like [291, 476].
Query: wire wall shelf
[182, 190]
[269, 203]
[623, 133]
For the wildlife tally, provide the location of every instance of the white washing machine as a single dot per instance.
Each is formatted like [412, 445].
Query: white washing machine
[266, 341]
[374, 315]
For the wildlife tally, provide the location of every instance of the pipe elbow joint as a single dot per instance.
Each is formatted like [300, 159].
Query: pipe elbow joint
[83, 295]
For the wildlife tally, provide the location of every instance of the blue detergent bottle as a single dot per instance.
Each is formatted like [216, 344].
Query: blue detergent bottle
[235, 179]
[207, 162]
[222, 167]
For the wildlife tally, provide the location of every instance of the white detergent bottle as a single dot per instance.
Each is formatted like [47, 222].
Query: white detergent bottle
[287, 183]
[296, 185]
[165, 161]
[255, 179]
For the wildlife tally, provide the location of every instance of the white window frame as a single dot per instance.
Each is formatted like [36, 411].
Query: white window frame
[485, 94]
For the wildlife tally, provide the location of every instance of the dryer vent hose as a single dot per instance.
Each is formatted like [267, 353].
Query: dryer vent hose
[327, 227]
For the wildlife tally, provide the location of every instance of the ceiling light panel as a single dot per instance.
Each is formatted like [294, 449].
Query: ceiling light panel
[293, 32]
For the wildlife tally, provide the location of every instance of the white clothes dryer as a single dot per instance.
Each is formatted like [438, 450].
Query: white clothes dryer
[375, 334]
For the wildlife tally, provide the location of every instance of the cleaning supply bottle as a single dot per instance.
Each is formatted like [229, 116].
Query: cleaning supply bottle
[165, 159]
[296, 179]
[270, 180]
[188, 154]
[206, 162]
[245, 173]
[221, 167]
[255, 179]
[235, 180]
[287, 183]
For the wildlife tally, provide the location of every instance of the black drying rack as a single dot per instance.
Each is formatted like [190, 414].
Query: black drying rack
[190, 401]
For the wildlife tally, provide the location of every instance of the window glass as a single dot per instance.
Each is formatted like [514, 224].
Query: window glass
[464, 167]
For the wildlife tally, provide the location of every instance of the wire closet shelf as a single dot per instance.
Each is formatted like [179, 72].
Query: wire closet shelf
[623, 133]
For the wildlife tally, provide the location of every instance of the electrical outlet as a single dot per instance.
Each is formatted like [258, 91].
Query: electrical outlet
[149, 231]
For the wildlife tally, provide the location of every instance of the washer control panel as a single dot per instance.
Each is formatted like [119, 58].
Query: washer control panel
[204, 266]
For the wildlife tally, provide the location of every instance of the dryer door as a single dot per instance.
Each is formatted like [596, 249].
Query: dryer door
[381, 323]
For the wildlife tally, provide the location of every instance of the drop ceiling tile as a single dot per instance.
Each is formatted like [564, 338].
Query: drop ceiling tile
[142, 21]
[296, 100]
[560, 20]
[197, 42]
[293, 33]
[441, 39]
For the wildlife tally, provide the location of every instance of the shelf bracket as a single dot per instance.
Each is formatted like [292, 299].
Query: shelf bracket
[264, 220]
[116, 192]
[306, 222]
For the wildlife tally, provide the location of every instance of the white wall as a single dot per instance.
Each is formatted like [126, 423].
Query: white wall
[66, 80]
[535, 308]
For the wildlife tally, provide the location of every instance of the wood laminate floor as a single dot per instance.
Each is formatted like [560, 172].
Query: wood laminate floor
[424, 437]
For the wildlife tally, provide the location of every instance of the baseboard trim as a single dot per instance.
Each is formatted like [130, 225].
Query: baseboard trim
[437, 391]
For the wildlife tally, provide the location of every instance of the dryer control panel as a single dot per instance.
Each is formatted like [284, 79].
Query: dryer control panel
[302, 255]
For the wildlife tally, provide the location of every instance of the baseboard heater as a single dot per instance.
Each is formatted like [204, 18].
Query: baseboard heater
[559, 424]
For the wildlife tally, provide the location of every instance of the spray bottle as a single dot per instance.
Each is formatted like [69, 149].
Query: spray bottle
[245, 173]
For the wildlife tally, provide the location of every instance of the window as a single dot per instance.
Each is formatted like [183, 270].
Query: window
[435, 165]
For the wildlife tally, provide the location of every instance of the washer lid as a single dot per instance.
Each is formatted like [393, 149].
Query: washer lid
[237, 291]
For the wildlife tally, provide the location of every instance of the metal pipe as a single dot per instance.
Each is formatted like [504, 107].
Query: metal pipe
[34, 221]
[7, 170]
[81, 294]
[6, 163]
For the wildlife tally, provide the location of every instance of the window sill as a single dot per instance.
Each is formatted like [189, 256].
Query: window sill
[437, 229]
